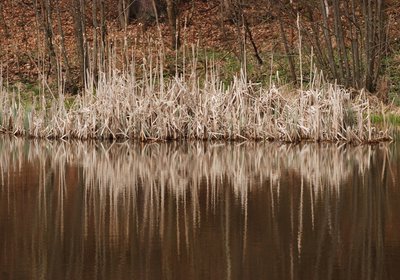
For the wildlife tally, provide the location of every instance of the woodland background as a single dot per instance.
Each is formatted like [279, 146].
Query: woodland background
[355, 43]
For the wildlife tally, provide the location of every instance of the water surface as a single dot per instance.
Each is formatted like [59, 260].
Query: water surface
[74, 210]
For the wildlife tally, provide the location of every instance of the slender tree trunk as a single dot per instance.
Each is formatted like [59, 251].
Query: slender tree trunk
[154, 6]
[78, 17]
[343, 59]
[95, 54]
[354, 59]
[44, 14]
[103, 29]
[173, 18]
[237, 16]
[62, 36]
[67, 76]
[3, 22]
[253, 44]
[382, 32]
[316, 40]
[124, 7]
[287, 51]
[328, 40]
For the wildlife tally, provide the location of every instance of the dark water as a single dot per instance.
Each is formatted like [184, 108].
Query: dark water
[196, 211]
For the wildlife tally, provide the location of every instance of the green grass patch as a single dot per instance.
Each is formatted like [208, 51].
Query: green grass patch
[389, 118]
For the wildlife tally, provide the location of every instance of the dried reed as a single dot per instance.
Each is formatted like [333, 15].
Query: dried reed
[121, 105]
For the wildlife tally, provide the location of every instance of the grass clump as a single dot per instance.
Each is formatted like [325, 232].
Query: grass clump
[392, 119]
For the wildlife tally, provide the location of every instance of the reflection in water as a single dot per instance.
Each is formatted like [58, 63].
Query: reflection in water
[197, 211]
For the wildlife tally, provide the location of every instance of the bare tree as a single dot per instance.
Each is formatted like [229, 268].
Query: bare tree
[3, 22]
[349, 37]
[233, 11]
[287, 47]
[173, 20]
[138, 9]
[99, 36]
[69, 84]
[44, 17]
[78, 14]
[123, 12]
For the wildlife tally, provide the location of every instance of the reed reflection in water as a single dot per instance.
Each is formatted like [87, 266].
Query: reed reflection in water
[198, 211]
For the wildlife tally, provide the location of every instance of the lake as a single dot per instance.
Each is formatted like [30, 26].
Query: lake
[196, 210]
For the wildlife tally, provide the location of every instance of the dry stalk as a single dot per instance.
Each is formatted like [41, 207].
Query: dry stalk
[121, 105]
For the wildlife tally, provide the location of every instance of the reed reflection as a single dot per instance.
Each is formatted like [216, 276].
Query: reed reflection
[197, 211]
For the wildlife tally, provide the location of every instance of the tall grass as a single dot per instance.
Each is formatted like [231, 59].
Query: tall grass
[151, 106]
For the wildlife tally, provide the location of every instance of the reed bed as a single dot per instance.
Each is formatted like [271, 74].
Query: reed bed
[150, 106]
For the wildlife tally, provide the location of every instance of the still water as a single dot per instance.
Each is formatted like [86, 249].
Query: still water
[74, 210]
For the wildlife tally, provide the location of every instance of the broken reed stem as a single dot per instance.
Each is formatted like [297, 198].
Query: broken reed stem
[121, 105]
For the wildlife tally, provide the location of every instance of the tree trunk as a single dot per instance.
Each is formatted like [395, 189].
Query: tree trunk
[253, 43]
[95, 54]
[3, 22]
[137, 9]
[287, 51]
[67, 76]
[79, 28]
[328, 39]
[44, 14]
[103, 29]
[123, 12]
[172, 12]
